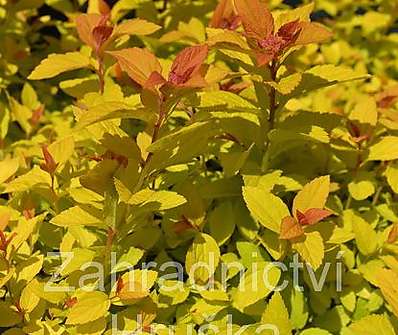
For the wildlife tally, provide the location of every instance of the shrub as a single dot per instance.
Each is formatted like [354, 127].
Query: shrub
[193, 167]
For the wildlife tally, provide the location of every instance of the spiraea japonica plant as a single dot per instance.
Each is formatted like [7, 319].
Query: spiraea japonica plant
[198, 167]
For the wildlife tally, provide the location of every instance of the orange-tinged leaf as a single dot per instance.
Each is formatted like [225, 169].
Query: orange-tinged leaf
[138, 63]
[312, 33]
[312, 195]
[393, 235]
[187, 64]
[155, 79]
[313, 216]
[290, 229]
[4, 219]
[85, 24]
[101, 34]
[256, 18]
[132, 290]
[136, 27]
[225, 16]
[50, 164]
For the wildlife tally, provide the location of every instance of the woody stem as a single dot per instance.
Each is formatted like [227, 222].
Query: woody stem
[101, 74]
[272, 97]
[155, 135]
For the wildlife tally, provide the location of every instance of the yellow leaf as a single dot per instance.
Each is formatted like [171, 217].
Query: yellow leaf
[137, 63]
[202, 258]
[384, 150]
[365, 236]
[392, 176]
[159, 200]
[77, 216]
[256, 283]
[34, 177]
[287, 84]
[265, 207]
[372, 325]
[136, 284]
[136, 27]
[311, 248]
[276, 314]
[8, 167]
[90, 306]
[387, 280]
[62, 149]
[365, 111]
[361, 189]
[55, 64]
[313, 195]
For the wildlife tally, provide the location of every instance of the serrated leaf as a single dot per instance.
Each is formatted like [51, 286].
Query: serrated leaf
[77, 216]
[265, 207]
[253, 285]
[8, 167]
[222, 222]
[287, 84]
[156, 200]
[277, 314]
[202, 258]
[365, 111]
[34, 177]
[311, 248]
[372, 325]
[392, 176]
[387, 280]
[385, 149]
[56, 64]
[8, 316]
[136, 27]
[361, 189]
[315, 331]
[313, 195]
[365, 235]
[90, 306]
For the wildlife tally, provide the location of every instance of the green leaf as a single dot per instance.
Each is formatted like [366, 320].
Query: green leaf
[202, 258]
[8, 316]
[90, 306]
[55, 64]
[265, 207]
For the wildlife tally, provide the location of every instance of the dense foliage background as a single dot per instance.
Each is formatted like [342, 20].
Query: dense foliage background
[259, 143]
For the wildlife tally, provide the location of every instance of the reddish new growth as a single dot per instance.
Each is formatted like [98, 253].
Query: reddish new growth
[5, 241]
[94, 30]
[268, 42]
[186, 68]
[225, 16]
[293, 227]
[49, 164]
